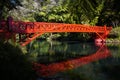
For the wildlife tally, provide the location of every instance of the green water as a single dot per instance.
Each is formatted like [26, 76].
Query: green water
[75, 61]
[60, 61]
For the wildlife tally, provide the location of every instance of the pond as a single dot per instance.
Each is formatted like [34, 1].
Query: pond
[73, 60]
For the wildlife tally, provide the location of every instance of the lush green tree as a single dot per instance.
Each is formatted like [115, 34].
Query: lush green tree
[7, 5]
[110, 14]
[25, 12]
[86, 11]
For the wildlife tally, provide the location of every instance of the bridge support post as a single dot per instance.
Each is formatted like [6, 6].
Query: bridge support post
[101, 39]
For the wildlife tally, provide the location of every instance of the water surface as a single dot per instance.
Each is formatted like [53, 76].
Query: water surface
[75, 60]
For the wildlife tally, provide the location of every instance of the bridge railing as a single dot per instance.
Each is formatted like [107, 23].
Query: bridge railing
[33, 27]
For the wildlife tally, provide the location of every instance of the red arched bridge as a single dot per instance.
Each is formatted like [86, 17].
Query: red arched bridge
[28, 31]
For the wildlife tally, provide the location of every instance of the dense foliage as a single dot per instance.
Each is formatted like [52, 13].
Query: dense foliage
[69, 11]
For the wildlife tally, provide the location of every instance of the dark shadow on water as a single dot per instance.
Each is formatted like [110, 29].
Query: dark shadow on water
[14, 65]
[112, 70]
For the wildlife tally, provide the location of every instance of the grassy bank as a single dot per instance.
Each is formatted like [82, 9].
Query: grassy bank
[114, 35]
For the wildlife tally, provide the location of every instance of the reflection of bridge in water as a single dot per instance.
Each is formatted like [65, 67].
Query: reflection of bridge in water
[53, 68]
